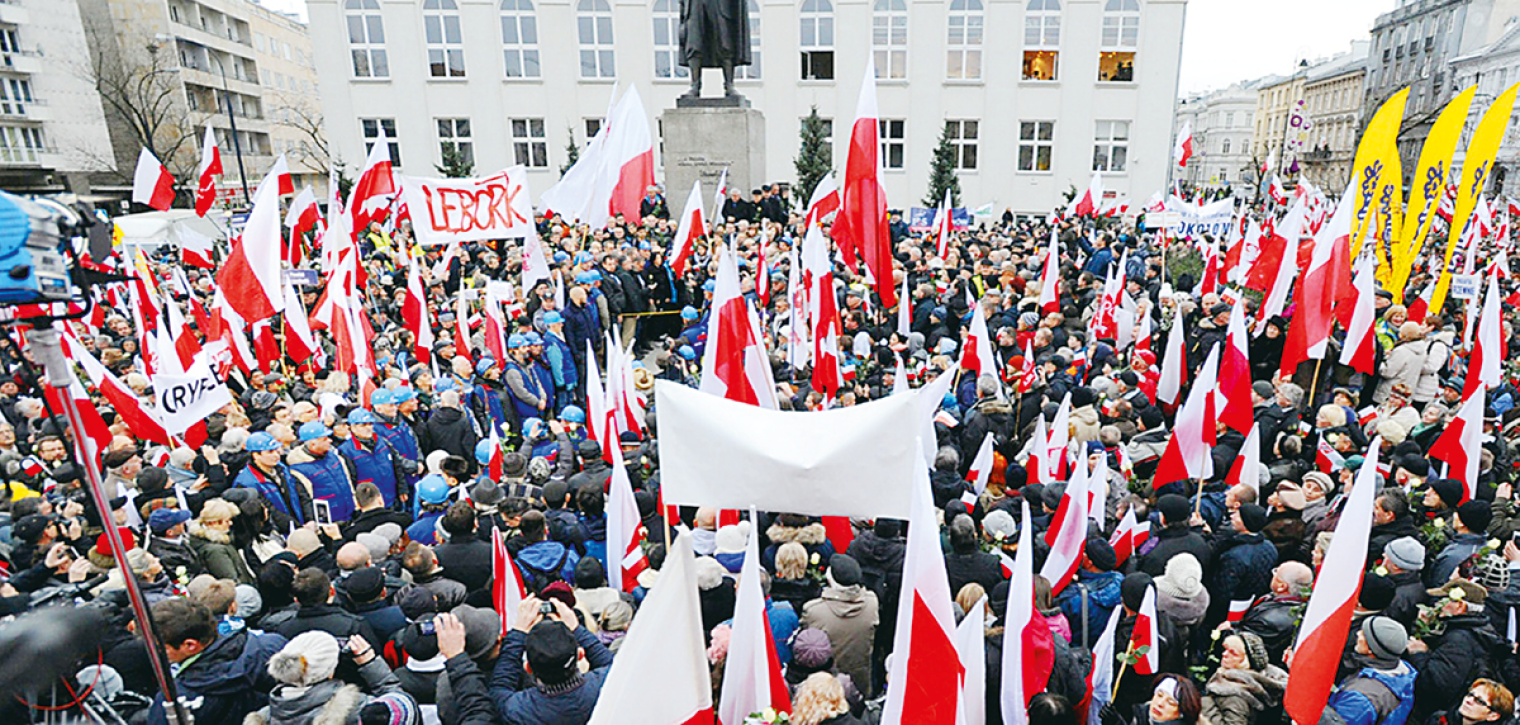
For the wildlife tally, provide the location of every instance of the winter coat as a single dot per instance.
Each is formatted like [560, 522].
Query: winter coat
[1408, 595]
[1275, 620]
[1457, 656]
[448, 429]
[520, 700]
[1383, 534]
[1375, 696]
[448, 592]
[467, 560]
[546, 562]
[1236, 697]
[376, 461]
[1404, 364]
[1085, 424]
[1459, 549]
[881, 565]
[1285, 529]
[1437, 350]
[1146, 449]
[330, 702]
[987, 416]
[813, 537]
[332, 620]
[215, 549]
[329, 477]
[1068, 676]
[848, 615]
[797, 592]
[1242, 570]
[227, 681]
[1174, 540]
[977, 566]
[176, 555]
[1101, 590]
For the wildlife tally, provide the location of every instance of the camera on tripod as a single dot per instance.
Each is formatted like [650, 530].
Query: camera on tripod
[33, 268]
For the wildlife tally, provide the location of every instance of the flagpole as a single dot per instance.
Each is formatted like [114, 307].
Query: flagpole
[1123, 665]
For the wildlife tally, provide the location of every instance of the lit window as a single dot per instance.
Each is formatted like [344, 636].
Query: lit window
[965, 42]
[1111, 146]
[1036, 140]
[528, 143]
[519, 38]
[892, 142]
[594, 26]
[366, 39]
[454, 136]
[1042, 39]
[667, 40]
[962, 136]
[817, 26]
[372, 129]
[889, 38]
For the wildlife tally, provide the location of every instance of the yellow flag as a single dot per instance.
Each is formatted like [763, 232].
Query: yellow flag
[1379, 194]
[1477, 166]
[1426, 189]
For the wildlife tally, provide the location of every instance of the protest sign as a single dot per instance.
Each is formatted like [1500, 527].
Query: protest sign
[184, 399]
[1194, 221]
[447, 210]
[921, 219]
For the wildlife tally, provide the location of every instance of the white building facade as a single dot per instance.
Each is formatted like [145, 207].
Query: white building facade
[1222, 124]
[1036, 94]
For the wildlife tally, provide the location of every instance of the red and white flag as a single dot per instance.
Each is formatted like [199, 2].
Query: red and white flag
[1129, 536]
[976, 352]
[300, 342]
[823, 313]
[1183, 150]
[250, 276]
[1461, 444]
[719, 195]
[1100, 682]
[752, 678]
[371, 194]
[1068, 531]
[1238, 609]
[151, 183]
[661, 670]
[1484, 369]
[1088, 201]
[861, 226]
[535, 264]
[1247, 468]
[507, 590]
[1187, 453]
[196, 249]
[1276, 191]
[981, 468]
[1028, 649]
[302, 217]
[1050, 278]
[625, 530]
[462, 328]
[943, 226]
[1327, 617]
[1145, 636]
[1279, 273]
[631, 148]
[1235, 373]
[734, 363]
[824, 201]
[598, 421]
[763, 271]
[211, 165]
[1359, 351]
[279, 174]
[414, 313]
[144, 421]
[689, 230]
[1174, 366]
[1325, 282]
[971, 648]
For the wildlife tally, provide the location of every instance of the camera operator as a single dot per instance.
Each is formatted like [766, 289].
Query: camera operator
[555, 643]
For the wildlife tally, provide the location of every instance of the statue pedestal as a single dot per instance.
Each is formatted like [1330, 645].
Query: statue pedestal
[704, 136]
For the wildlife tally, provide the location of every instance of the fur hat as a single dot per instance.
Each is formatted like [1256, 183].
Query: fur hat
[731, 538]
[306, 660]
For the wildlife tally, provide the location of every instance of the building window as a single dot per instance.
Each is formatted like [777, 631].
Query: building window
[594, 24]
[1224, 146]
[1042, 39]
[372, 130]
[8, 42]
[528, 143]
[15, 94]
[892, 142]
[1121, 36]
[519, 38]
[20, 145]
[752, 71]
[1035, 145]
[962, 135]
[366, 39]
[454, 135]
[667, 40]
[445, 45]
[817, 25]
[965, 42]
[1111, 146]
[889, 38]
[593, 127]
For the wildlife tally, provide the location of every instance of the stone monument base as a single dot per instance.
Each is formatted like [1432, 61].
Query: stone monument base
[702, 137]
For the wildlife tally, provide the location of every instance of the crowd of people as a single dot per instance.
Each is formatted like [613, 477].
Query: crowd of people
[325, 556]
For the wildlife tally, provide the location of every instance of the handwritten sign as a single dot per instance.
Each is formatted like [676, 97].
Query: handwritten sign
[188, 398]
[466, 210]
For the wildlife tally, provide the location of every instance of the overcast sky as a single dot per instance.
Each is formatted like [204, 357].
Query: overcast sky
[1230, 40]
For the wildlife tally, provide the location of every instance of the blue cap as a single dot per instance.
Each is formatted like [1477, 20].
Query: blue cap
[585, 278]
[532, 426]
[516, 340]
[561, 257]
[709, 285]
[573, 414]
[444, 384]
[167, 518]
[689, 313]
[314, 430]
[687, 353]
[582, 257]
[360, 416]
[382, 396]
[594, 275]
[432, 489]
[260, 442]
[483, 365]
[553, 317]
[533, 338]
[484, 450]
[403, 394]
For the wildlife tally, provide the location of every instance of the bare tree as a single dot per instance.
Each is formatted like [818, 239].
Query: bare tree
[145, 103]
[303, 115]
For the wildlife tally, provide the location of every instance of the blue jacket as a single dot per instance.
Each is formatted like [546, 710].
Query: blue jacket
[596, 539]
[1102, 591]
[545, 562]
[583, 324]
[425, 529]
[329, 478]
[561, 362]
[1356, 708]
[1242, 569]
[520, 701]
[532, 385]
[401, 437]
[280, 491]
[228, 681]
[784, 622]
[1459, 549]
[375, 462]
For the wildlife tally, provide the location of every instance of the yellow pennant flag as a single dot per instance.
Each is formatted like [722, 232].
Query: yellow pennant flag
[1426, 189]
[1379, 192]
[1477, 166]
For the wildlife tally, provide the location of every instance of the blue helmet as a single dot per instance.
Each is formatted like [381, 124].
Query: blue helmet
[484, 450]
[553, 317]
[709, 285]
[689, 313]
[444, 384]
[484, 365]
[584, 278]
[573, 414]
[561, 257]
[532, 426]
[382, 396]
[260, 442]
[533, 338]
[314, 430]
[594, 275]
[402, 394]
[582, 257]
[516, 340]
[688, 353]
[360, 416]
[432, 489]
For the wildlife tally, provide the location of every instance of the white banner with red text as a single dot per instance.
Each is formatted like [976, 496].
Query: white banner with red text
[467, 210]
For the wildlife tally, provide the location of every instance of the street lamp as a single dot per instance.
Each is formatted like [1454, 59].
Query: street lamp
[237, 146]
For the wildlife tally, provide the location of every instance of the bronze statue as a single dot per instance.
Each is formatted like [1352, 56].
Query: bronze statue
[714, 34]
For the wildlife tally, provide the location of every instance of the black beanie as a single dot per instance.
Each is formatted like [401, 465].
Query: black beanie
[1254, 517]
[1132, 589]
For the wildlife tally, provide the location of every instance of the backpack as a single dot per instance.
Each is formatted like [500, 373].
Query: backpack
[535, 579]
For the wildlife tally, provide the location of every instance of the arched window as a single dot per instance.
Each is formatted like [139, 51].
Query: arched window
[594, 26]
[1042, 39]
[889, 38]
[752, 71]
[1121, 36]
[366, 39]
[965, 42]
[519, 38]
[445, 41]
[667, 40]
[816, 22]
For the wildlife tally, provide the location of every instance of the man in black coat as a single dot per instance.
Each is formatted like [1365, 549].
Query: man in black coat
[1174, 538]
[465, 558]
[1243, 562]
[1467, 649]
[1404, 559]
[314, 593]
[1274, 618]
[1391, 519]
[169, 545]
[966, 562]
[450, 429]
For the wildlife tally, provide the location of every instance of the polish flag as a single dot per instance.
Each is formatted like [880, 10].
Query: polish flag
[1049, 294]
[1028, 373]
[302, 217]
[976, 353]
[719, 195]
[1100, 682]
[462, 328]
[1326, 281]
[823, 313]
[824, 201]
[1029, 657]
[1461, 444]
[1089, 201]
[151, 183]
[1183, 150]
[630, 146]
[1144, 335]
[370, 196]
[625, 533]
[1060, 437]
[1277, 192]
[752, 674]
[1068, 531]
[1238, 609]
[1174, 366]
[1327, 459]
[981, 465]
[904, 311]
[763, 272]
[1421, 305]
[1247, 468]
[734, 363]
[279, 173]
[1286, 271]
[196, 249]
[862, 223]
[507, 590]
[211, 165]
[1358, 351]
[143, 421]
[597, 419]
[1146, 637]
[689, 231]
[300, 343]
[535, 264]
[1327, 618]
[943, 224]
[971, 649]
[1038, 464]
[925, 665]
[97, 435]
[1235, 373]
[1129, 536]
[1483, 370]
[661, 671]
[414, 313]
[1210, 281]
[1187, 453]
[250, 276]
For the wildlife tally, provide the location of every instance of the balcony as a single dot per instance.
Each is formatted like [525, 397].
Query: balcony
[13, 13]
[28, 62]
[34, 110]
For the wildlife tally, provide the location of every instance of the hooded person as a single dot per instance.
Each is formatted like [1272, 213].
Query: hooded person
[849, 613]
[309, 693]
[797, 528]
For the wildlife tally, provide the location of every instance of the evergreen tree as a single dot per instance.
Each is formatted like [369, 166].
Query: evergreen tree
[942, 173]
[455, 164]
[572, 151]
[815, 156]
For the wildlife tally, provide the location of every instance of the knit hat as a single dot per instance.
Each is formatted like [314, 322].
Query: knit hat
[1101, 554]
[1492, 572]
[811, 648]
[391, 708]
[249, 601]
[1000, 526]
[1256, 650]
[1385, 637]
[1415, 465]
[1263, 389]
[417, 644]
[1377, 592]
[731, 538]
[1183, 578]
[1322, 481]
[103, 545]
[482, 629]
[391, 531]
[306, 660]
[365, 585]
[1475, 515]
[1405, 552]
[417, 602]
[1253, 517]
[514, 464]
[1450, 490]
[1173, 508]
[377, 545]
[844, 570]
[1132, 589]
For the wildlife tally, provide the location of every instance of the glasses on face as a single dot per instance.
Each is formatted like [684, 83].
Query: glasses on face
[1477, 699]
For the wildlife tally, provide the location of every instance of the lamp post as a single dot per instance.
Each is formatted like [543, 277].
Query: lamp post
[237, 146]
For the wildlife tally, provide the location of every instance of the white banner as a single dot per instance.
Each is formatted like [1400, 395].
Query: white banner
[184, 400]
[466, 210]
[1195, 221]
[855, 461]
